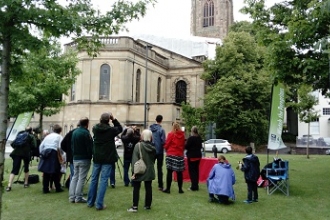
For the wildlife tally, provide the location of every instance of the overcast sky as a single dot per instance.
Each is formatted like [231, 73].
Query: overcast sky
[170, 18]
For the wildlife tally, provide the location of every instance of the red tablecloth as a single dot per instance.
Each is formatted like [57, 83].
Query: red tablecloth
[205, 167]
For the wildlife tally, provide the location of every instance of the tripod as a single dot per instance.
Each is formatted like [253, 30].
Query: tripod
[20, 172]
[118, 167]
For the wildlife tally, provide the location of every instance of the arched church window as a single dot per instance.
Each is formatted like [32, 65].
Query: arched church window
[104, 82]
[181, 92]
[159, 84]
[138, 85]
[208, 14]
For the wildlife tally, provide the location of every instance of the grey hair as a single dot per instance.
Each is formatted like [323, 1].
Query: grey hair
[146, 135]
[194, 130]
[129, 131]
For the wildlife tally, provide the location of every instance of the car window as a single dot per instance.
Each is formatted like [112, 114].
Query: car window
[327, 140]
[219, 141]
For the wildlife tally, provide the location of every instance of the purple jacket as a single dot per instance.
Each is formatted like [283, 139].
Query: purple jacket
[221, 180]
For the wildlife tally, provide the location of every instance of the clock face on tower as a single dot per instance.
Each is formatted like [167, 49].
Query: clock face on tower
[211, 18]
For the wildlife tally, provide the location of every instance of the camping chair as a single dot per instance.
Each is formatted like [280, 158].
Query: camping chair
[278, 177]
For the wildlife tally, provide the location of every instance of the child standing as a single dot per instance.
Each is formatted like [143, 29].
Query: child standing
[251, 169]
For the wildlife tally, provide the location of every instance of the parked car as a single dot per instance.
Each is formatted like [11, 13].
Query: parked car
[222, 145]
[306, 138]
[118, 142]
[323, 142]
[327, 152]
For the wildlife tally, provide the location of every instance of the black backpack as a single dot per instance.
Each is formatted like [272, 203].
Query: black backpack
[22, 139]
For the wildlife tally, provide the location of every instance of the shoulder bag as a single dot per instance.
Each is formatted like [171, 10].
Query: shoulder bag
[139, 166]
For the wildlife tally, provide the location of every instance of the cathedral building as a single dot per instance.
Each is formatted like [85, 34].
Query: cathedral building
[137, 79]
[211, 18]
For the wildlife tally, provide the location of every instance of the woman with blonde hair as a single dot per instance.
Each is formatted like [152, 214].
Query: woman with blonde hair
[174, 147]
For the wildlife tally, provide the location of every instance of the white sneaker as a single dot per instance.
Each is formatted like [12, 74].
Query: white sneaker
[132, 209]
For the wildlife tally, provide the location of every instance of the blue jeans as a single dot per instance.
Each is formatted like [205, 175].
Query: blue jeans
[113, 174]
[97, 191]
[81, 168]
[126, 166]
[71, 171]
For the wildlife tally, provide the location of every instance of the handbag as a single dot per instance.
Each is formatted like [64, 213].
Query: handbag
[139, 166]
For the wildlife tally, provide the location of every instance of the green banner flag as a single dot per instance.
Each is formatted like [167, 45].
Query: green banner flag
[22, 121]
[276, 118]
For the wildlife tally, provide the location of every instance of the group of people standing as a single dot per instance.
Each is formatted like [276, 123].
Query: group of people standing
[81, 148]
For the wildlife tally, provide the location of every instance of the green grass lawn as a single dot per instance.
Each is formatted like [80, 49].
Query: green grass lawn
[309, 198]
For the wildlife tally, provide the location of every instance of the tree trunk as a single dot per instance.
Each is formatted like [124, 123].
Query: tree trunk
[4, 90]
[41, 116]
[307, 149]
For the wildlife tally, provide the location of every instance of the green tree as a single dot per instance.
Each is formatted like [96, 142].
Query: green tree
[46, 75]
[296, 34]
[238, 100]
[243, 26]
[20, 20]
[193, 117]
[305, 108]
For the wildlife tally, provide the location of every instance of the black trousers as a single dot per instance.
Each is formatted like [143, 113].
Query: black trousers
[17, 160]
[193, 167]
[160, 162]
[252, 188]
[136, 193]
[170, 176]
[46, 181]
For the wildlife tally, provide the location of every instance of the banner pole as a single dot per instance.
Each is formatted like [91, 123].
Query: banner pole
[270, 118]
[11, 129]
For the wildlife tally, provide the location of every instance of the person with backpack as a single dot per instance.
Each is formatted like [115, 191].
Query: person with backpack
[130, 138]
[23, 144]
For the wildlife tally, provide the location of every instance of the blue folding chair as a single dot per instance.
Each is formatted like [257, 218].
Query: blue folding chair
[278, 178]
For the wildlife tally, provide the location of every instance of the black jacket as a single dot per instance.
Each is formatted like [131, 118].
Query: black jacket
[251, 167]
[129, 141]
[66, 146]
[104, 148]
[194, 147]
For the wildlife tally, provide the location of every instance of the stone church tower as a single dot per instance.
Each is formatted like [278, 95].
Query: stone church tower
[211, 18]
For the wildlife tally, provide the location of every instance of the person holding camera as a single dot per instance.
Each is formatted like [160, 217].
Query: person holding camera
[130, 138]
[104, 155]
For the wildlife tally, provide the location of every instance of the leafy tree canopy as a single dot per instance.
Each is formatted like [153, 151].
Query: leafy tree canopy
[238, 98]
[46, 76]
[22, 20]
[297, 36]
[193, 117]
